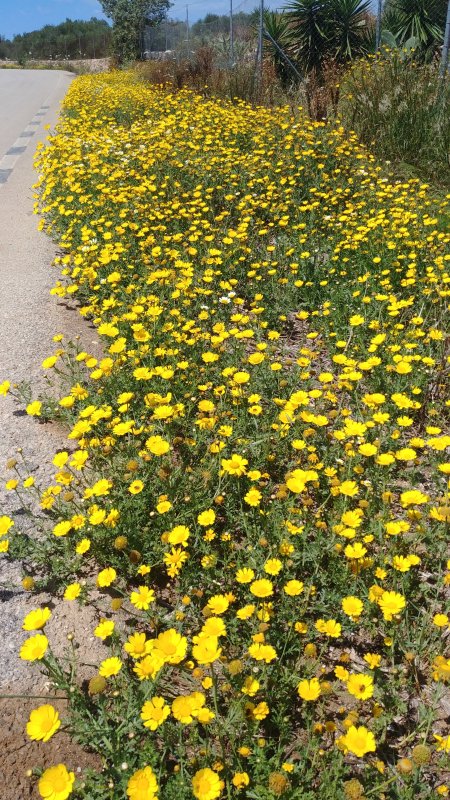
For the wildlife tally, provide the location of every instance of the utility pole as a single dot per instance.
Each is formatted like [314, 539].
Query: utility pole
[378, 30]
[232, 36]
[187, 28]
[446, 46]
[260, 40]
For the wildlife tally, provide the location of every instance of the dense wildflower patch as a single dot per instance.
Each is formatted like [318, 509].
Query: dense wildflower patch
[254, 492]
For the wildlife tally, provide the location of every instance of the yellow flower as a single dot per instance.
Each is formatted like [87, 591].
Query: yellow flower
[143, 785]
[360, 686]
[106, 577]
[206, 784]
[206, 649]
[358, 741]
[348, 488]
[262, 652]
[56, 783]
[241, 377]
[245, 575]
[250, 686]
[172, 646]
[262, 588]
[157, 445]
[356, 551]
[83, 547]
[136, 487]
[260, 711]
[246, 612]
[403, 367]
[5, 524]
[62, 528]
[186, 708]
[143, 597]
[154, 712]
[206, 518]
[137, 645]
[293, 588]
[218, 604]
[104, 629]
[373, 660]
[297, 480]
[72, 591]
[163, 506]
[179, 535]
[34, 648]
[391, 603]
[309, 690]
[236, 465]
[36, 619]
[443, 743]
[240, 780]
[43, 723]
[273, 566]
[110, 666]
[329, 627]
[253, 497]
[34, 408]
[441, 620]
[413, 497]
[352, 606]
[149, 666]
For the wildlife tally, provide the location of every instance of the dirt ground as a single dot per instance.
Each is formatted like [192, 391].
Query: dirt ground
[20, 755]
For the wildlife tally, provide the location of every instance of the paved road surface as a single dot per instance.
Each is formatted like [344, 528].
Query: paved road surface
[29, 316]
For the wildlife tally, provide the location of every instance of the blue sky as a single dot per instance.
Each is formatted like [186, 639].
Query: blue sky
[21, 16]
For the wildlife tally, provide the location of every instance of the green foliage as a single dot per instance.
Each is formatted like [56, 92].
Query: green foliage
[400, 109]
[423, 19]
[70, 39]
[322, 30]
[277, 26]
[129, 17]
[348, 22]
[309, 36]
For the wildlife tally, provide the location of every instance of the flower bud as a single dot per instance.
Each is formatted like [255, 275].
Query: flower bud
[97, 685]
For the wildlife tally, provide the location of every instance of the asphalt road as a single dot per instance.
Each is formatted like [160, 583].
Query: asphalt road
[29, 318]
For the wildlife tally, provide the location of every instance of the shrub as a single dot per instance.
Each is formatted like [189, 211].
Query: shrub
[401, 110]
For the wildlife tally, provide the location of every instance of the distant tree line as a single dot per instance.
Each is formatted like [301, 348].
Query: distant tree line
[71, 39]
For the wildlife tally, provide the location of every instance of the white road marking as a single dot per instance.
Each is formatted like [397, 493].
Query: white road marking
[11, 157]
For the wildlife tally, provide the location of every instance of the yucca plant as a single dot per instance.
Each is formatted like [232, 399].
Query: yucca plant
[321, 30]
[422, 19]
[349, 21]
[277, 29]
[309, 33]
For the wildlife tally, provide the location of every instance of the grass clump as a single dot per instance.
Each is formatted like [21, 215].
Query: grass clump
[254, 493]
[400, 108]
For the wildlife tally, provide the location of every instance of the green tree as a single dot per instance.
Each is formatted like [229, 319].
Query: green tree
[68, 40]
[129, 17]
